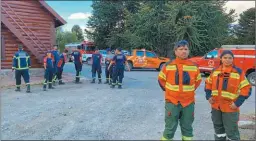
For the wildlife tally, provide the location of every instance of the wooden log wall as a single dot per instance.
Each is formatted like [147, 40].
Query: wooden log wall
[11, 46]
[31, 19]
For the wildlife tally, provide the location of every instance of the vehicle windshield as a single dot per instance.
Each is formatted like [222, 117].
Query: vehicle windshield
[140, 53]
[150, 54]
[89, 48]
[125, 52]
[212, 54]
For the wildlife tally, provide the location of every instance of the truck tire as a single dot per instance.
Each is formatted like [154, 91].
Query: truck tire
[252, 78]
[130, 66]
[160, 67]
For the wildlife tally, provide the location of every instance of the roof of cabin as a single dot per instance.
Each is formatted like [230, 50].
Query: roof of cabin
[59, 21]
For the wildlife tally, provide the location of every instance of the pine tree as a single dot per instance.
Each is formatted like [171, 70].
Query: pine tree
[78, 32]
[158, 25]
[246, 28]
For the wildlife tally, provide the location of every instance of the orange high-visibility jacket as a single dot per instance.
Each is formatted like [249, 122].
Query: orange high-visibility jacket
[227, 86]
[179, 79]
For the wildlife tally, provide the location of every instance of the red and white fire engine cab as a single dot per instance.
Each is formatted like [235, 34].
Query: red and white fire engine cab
[244, 58]
[88, 48]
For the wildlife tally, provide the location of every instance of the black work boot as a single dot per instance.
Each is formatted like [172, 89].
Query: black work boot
[28, 88]
[77, 80]
[50, 86]
[17, 89]
[119, 86]
[44, 87]
[61, 83]
[99, 81]
[93, 81]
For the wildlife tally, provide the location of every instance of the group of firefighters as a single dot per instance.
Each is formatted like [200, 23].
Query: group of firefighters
[114, 70]
[54, 63]
[226, 88]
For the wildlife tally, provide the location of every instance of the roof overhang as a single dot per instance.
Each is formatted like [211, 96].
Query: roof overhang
[59, 21]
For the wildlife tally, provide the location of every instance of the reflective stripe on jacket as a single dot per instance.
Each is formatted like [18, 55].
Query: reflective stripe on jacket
[226, 86]
[21, 60]
[179, 79]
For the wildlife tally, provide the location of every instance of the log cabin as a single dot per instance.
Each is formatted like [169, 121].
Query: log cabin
[31, 23]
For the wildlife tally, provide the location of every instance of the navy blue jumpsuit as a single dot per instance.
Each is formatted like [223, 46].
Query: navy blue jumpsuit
[108, 73]
[96, 66]
[56, 56]
[60, 66]
[78, 64]
[21, 63]
[118, 69]
[49, 71]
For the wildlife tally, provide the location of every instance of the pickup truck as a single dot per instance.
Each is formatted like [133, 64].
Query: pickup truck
[141, 58]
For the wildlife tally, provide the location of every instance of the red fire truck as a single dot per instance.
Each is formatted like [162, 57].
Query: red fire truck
[88, 48]
[244, 58]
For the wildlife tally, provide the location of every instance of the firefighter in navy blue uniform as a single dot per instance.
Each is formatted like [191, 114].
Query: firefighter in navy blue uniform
[96, 66]
[60, 65]
[108, 73]
[21, 64]
[118, 71]
[56, 57]
[49, 70]
[112, 68]
[77, 57]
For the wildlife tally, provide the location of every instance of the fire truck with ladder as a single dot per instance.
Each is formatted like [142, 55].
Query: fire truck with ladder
[244, 58]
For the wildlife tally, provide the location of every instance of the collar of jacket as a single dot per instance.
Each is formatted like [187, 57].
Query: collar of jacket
[226, 69]
[181, 61]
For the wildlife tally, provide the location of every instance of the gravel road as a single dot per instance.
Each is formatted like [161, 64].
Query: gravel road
[95, 111]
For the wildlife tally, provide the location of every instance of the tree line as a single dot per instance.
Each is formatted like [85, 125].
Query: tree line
[66, 37]
[157, 25]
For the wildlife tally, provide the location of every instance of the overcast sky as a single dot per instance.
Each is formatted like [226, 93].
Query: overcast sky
[239, 6]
